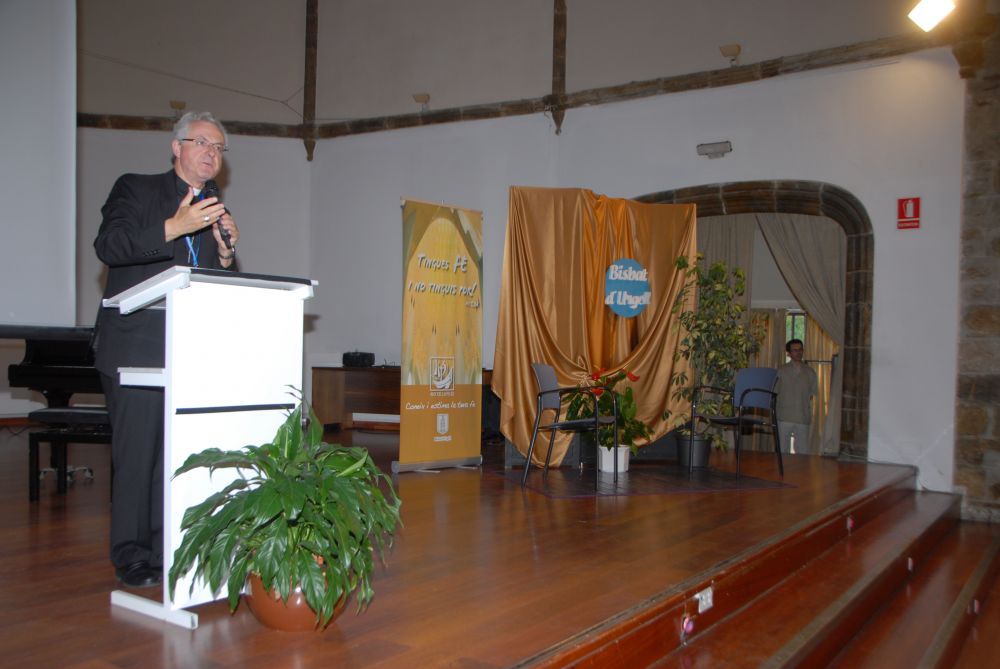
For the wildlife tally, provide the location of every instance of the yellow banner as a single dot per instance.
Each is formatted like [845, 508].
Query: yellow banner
[440, 411]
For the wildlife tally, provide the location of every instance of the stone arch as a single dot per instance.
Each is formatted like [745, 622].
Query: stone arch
[816, 199]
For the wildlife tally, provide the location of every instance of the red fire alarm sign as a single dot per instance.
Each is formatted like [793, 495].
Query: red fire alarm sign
[908, 213]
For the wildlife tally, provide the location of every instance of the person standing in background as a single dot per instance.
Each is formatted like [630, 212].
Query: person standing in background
[796, 387]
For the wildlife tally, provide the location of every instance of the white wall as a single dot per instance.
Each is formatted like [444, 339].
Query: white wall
[38, 108]
[37, 167]
[881, 131]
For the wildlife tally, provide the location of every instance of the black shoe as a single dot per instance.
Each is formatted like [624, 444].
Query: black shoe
[139, 575]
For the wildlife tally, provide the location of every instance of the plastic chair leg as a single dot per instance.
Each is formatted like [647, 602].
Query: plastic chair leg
[531, 448]
[691, 451]
[777, 449]
[548, 456]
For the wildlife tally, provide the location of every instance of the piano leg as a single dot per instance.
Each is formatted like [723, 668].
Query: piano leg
[59, 453]
[33, 469]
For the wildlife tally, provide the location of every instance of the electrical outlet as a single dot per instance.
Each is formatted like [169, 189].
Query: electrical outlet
[704, 599]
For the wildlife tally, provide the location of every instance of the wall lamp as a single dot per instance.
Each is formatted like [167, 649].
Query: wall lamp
[715, 149]
[423, 99]
[929, 13]
[731, 52]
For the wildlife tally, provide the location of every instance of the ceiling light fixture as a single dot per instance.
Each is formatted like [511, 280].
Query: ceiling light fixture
[715, 149]
[928, 13]
[424, 100]
[178, 107]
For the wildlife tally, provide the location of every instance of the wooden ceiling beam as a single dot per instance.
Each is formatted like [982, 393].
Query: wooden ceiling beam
[557, 101]
[309, 87]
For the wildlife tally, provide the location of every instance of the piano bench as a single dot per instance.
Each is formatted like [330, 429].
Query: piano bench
[64, 425]
[71, 416]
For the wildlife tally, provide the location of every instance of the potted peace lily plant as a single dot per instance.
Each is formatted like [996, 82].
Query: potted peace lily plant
[629, 428]
[301, 523]
[717, 340]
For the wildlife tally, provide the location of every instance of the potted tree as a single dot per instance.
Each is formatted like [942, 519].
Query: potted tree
[301, 523]
[716, 339]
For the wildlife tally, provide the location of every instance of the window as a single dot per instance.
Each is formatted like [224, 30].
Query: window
[795, 326]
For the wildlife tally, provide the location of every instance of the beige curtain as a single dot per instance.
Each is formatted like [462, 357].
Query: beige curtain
[811, 252]
[729, 239]
[768, 325]
[559, 244]
[820, 350]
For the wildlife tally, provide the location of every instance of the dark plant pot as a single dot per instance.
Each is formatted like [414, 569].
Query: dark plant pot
[295, 615]
[700, 450]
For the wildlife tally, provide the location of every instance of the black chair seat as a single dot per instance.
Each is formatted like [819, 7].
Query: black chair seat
[733, 421]
[577, 425]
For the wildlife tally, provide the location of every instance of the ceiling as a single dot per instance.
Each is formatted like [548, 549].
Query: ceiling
[245, 60]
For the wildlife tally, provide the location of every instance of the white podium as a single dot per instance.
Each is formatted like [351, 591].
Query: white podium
[233, 357]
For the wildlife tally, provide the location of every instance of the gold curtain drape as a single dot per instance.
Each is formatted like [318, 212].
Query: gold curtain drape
[559, 244]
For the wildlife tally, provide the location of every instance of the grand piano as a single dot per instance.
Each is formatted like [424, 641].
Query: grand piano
[58, 363]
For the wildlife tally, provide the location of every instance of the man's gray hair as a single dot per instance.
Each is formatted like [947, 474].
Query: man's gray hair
[183, 125]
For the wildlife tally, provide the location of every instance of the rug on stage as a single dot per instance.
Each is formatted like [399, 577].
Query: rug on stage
[646, 478]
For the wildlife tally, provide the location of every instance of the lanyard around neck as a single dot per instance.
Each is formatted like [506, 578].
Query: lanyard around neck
[192, 251]
[192, 248]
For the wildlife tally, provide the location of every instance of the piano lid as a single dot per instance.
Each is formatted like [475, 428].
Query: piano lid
[45, 332]
[57, 361]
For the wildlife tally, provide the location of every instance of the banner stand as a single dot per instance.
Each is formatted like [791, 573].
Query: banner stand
[465, 463]
[441, 373]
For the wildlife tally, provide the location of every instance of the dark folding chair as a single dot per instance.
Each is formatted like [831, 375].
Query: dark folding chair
[753, 390]
[550, 398]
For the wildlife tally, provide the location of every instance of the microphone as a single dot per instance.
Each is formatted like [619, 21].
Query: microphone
[211, 189]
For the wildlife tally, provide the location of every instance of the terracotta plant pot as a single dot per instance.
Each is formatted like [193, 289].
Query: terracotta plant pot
[295, 615]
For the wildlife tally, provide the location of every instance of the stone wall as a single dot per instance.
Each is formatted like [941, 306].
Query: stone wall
[977, 404]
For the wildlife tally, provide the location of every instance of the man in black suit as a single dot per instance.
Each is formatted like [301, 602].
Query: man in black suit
[152, 222]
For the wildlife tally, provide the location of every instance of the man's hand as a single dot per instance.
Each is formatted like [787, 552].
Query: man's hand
[193, 217]
[229, 224]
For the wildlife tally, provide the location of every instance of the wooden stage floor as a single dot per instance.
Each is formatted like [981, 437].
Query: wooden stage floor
[483, 573]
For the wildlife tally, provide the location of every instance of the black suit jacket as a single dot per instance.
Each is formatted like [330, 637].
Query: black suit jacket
[131, 243]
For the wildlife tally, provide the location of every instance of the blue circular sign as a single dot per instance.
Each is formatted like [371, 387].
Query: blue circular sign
[626, 287]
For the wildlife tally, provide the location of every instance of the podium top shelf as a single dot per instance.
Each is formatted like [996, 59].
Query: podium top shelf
[156, 288]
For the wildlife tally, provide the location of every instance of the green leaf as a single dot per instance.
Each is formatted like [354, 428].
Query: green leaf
[300, 498]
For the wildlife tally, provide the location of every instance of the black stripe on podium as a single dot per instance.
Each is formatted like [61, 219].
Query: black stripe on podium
[238, 407]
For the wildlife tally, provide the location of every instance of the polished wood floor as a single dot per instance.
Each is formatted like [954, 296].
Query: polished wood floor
[482, 574]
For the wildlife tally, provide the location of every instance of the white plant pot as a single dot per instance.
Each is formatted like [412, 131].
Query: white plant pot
[606, 459]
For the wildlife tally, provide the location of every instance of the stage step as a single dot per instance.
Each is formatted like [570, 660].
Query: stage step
[652, 630]
[982, 644]
[928, 620]
[820, 604]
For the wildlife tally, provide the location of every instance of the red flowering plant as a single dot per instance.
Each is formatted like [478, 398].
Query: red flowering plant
[630, 428]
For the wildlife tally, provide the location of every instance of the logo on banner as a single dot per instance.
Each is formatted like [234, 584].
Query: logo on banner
[626, 288]
[442, 374]
[442, 428]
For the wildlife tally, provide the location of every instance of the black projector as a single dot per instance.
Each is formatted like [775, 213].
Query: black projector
[359, 359]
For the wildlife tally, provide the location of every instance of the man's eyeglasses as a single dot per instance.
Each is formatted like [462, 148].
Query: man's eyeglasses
[203, 143]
